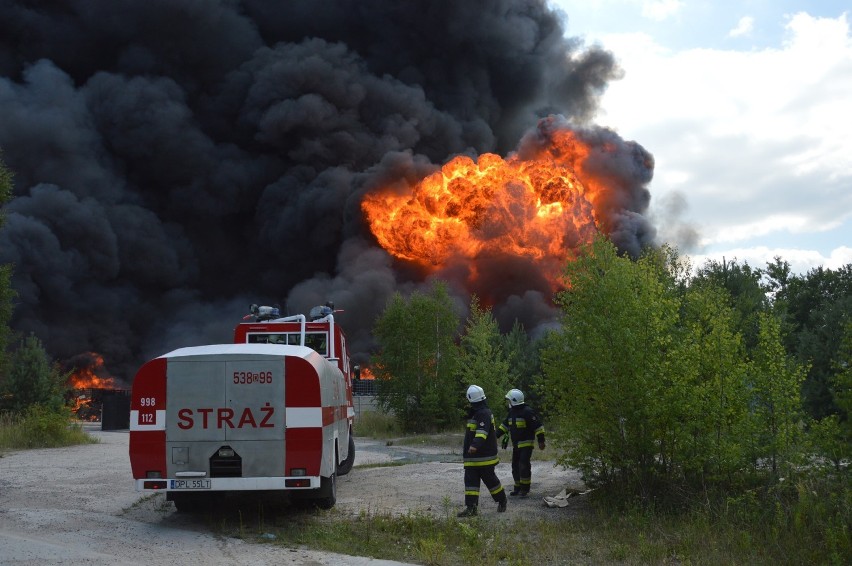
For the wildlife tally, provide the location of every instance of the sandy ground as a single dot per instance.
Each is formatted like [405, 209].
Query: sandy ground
[77, 505]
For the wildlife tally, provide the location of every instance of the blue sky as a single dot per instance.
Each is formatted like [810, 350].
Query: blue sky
[747, 109]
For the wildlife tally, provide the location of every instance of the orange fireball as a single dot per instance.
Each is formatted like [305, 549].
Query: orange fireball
[533, 210]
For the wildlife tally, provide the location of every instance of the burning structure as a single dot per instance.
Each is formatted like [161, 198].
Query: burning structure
[93, 394]
[177, 160]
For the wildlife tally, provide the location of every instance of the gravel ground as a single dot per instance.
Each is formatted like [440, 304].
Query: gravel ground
[77, 505]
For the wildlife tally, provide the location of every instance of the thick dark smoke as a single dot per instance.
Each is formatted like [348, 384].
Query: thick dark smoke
[177, 160]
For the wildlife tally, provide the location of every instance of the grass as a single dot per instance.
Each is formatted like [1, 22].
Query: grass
[586, 535]
[38, 427]
[592, 536]
[377, 425]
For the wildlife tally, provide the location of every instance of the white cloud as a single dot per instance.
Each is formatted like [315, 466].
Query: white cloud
[760, 227]
[744, 27]
[660, 10]
[759, 142]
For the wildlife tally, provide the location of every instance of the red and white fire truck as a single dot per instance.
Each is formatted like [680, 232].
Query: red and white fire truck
[271, 412]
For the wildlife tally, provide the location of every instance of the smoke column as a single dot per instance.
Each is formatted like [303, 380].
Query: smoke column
[176, 160]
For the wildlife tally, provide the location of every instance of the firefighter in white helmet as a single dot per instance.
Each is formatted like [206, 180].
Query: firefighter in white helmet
[480, 454]
[523, 426]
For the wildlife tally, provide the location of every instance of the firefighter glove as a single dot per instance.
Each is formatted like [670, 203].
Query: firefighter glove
[505, 442]
[541, 445]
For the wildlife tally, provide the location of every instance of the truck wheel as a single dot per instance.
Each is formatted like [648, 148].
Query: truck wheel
[346, 465]
[328, 492]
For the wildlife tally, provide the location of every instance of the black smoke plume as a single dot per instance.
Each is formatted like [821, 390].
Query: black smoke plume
[176, 160]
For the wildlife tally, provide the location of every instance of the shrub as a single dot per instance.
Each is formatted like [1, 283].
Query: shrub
[41, 427]
[32, 379]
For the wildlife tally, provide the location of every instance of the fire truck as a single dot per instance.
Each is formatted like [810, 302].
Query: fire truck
[271, 412]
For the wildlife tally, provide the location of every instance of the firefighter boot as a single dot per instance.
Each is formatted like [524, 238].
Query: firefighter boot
[469, 511]
[501, 504]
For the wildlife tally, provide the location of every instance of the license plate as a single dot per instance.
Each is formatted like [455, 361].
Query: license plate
[190, 484]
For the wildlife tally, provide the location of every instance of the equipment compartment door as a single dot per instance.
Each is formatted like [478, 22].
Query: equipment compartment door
[255, 399]
[225, 398]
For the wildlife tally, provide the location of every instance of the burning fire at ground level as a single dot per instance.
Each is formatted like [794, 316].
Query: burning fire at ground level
[93, 395]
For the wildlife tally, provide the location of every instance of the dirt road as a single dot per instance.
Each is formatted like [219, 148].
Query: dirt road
[77, 505]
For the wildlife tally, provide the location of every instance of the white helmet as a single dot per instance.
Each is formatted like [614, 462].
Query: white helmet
[515, 397]
[475, 394]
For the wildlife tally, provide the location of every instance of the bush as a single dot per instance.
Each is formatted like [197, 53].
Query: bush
[32, 379]
[41, 427]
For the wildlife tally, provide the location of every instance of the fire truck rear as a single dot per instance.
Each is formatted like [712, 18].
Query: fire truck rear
[271, 412]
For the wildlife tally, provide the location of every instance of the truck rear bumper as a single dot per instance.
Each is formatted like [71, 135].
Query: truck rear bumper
[200, 485]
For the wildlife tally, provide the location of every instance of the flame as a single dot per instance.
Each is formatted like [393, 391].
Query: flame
[84, 408]
[475, 214]
[89, 373]
[366, 374]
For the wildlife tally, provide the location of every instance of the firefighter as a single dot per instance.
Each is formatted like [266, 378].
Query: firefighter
[480, 454]
[523, 426]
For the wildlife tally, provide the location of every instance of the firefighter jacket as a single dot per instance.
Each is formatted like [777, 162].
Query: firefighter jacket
[523, 425]
[482, 433]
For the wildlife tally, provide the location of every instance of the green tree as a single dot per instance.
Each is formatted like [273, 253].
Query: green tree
[482, 359]
[746, 293]
[416, 366]
[775, 380]
[522, 355]
[831, 436]
[32, 379]
[606, 371]
[649, 387]
[711, 396]
[842, 385]
[818, 306]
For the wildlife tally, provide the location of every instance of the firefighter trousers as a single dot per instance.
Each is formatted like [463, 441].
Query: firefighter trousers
[486, 474]
[522, 468]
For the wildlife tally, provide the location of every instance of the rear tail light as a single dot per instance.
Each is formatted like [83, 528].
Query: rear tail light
[159, 484]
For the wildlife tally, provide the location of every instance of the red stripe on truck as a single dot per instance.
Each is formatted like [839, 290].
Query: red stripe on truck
[301, 383]
[304, 450]
[148, 396]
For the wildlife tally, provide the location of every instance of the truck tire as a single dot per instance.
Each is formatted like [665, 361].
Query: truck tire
[346, 465]
[327, 492]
